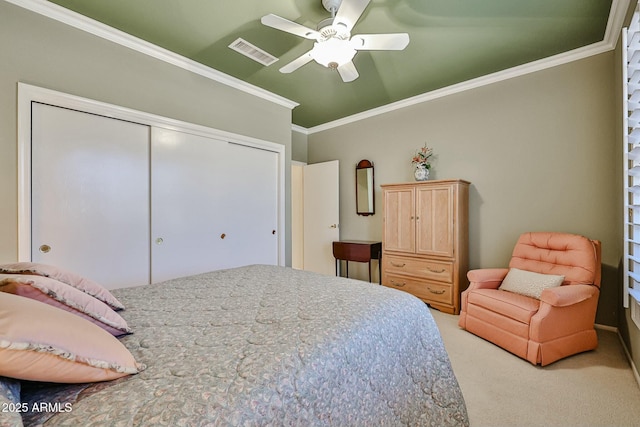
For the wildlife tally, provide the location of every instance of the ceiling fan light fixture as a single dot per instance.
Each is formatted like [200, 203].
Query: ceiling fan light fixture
[334, 47]
[333, 53]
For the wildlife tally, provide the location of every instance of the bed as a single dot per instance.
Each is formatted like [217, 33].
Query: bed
[265, 345]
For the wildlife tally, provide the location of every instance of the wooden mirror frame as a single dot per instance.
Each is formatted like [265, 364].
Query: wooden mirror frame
[365, 188]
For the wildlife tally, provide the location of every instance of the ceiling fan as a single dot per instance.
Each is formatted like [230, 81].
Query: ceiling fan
[334, 47]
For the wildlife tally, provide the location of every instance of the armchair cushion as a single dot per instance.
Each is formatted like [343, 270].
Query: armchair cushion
[575, 257]
[514, 306]
[529, 283]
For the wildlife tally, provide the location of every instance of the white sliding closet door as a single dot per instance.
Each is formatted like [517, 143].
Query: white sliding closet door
[188, 187]
[123, 198]
[214, 205]
[90, 195]
[251, 206]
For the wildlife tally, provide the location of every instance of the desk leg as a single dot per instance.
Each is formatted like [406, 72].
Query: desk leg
[369, 271]
[380, 267]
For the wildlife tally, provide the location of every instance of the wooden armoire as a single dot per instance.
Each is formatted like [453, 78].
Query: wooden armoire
[425, 241]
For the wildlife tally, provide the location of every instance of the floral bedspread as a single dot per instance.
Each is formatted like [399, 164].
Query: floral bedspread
[264, 345]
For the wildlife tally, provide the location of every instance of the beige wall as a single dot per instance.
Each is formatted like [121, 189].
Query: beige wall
[43, 52]
[540, 151]
[299, 147]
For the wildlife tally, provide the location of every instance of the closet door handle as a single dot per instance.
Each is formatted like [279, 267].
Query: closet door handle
[44, 248]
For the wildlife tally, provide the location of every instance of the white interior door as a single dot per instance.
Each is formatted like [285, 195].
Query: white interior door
[90, 195]
[321, 215]
[297, 216]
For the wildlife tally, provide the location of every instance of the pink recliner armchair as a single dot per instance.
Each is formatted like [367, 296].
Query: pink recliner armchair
[555, 323]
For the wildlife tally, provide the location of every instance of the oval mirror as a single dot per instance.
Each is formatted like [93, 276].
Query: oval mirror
[364, 188]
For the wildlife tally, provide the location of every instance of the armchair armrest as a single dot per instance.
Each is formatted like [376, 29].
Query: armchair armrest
[486, 278]
[567, 295]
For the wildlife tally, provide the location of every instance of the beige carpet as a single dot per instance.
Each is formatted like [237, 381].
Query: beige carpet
[595, 388]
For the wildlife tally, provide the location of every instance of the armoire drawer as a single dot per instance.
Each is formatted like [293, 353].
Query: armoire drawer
[424, 290]
[441, 271]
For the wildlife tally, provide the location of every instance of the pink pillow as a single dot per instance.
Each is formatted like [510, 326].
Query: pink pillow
[81, 283]
[42, 343]
[63, 296]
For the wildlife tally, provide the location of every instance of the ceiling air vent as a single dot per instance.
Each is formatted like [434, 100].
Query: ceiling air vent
[247, 49]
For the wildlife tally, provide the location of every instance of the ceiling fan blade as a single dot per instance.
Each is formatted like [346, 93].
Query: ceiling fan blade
[348, 72]
[296, 63]
[274, 21]
[349, 12]
[396, 41]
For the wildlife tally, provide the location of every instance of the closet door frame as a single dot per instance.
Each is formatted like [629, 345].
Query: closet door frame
[27, 94]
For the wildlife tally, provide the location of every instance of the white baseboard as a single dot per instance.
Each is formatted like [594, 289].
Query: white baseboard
[606, 328]
[629, 358]
[624, 346]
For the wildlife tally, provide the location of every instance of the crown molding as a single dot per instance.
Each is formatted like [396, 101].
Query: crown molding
[617, 15]
[81, 22]
[300, 129]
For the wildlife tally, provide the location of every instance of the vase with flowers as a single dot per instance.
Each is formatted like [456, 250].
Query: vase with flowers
[422, 163]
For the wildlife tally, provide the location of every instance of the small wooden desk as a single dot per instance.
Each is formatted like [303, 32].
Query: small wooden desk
[358, 251]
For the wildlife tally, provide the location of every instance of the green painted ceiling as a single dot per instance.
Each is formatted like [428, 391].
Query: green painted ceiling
[451, 41]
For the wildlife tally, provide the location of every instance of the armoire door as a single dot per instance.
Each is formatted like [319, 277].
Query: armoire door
[90, 195]
[399, 217]
[435, 225]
